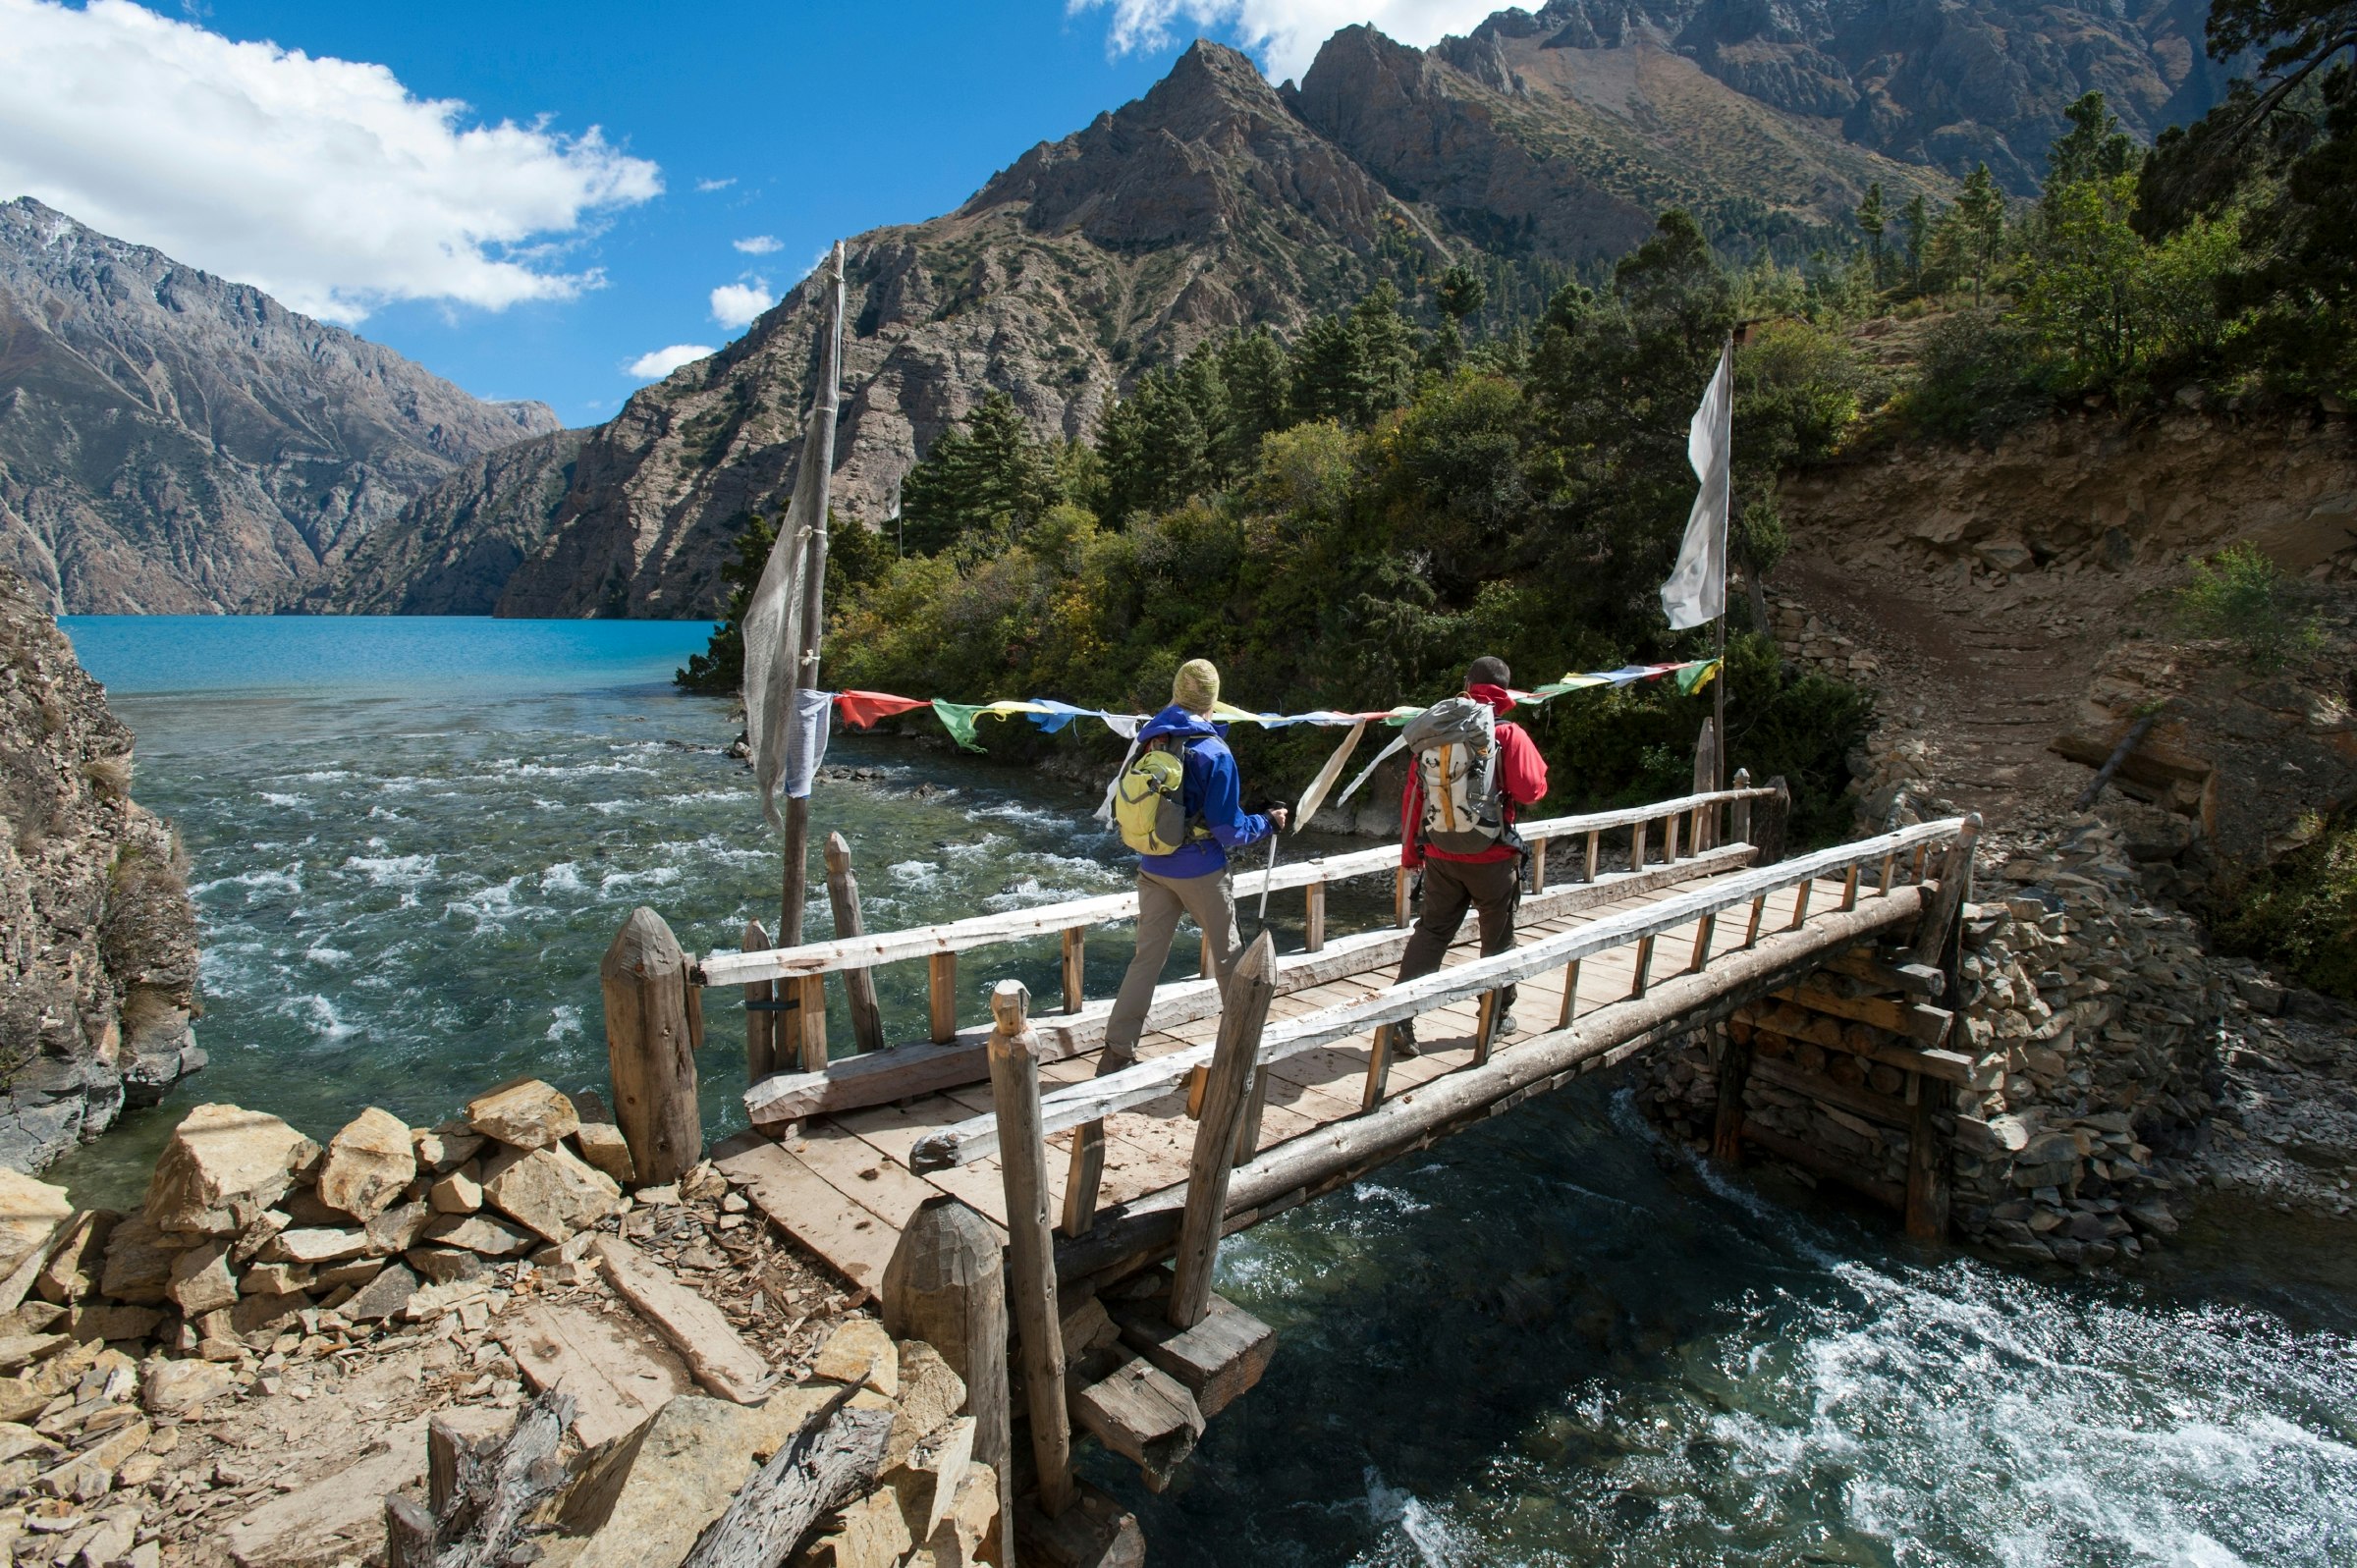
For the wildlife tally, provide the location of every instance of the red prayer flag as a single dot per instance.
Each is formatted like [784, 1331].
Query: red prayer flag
[862, 709]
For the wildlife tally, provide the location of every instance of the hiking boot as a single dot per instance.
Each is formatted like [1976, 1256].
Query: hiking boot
[1507, 1028]
[1404, 1041]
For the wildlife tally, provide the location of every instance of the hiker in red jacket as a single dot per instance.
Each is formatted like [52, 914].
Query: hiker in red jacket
[1456, 817]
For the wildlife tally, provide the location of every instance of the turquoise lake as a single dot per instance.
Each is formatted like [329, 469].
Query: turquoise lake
[1552, 1340]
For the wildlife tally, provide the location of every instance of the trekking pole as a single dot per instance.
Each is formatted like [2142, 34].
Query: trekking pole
[1274, 839]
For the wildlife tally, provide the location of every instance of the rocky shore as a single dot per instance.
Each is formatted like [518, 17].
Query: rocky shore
[247, 1369]
[98, 937]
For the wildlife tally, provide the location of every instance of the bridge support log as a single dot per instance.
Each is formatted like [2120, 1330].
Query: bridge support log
[1128, 1238]
[1251, 986]
[651, 1034]
[1727, 1116]
[1930, 1156]
[761, 1013]
[947, 1285]
[1031, 1271]
[859, 985]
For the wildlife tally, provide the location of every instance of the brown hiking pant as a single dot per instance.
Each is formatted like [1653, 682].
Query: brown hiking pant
[1492, 888]
[1161, 900]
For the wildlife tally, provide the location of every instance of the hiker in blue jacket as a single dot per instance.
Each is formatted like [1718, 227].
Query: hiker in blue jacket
[1193, 880]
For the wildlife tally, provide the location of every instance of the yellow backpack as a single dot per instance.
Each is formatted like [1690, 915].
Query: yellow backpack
[1149, 804]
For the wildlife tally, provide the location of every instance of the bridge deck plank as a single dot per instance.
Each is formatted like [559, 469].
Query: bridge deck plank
[1147, 1148]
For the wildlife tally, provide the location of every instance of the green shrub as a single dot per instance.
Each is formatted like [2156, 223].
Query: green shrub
[2237, 596]
[1981, 376]
[2301, 912]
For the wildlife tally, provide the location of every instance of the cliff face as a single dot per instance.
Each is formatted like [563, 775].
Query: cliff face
[173, 443]
[98, 937]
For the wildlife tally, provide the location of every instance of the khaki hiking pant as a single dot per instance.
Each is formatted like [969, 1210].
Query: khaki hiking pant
[1492, 888]
[1161, 900]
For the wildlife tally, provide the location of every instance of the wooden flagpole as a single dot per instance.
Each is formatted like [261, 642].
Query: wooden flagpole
[814, 584]
[1726, 562]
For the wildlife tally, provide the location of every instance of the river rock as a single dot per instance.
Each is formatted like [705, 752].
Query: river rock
[201, 1280]
[457, 1193]
[368, 1164]
[548, 1191]
[447, 1146]
[524, 1112]
[224, 1167]
[478, 1233]
[78, 1260]
[176, 1388]
[139, 1262]
[603, 1146]
[30, 1212]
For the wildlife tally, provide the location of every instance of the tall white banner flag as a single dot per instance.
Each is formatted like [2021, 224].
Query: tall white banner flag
[773, 620]
[1696, 593]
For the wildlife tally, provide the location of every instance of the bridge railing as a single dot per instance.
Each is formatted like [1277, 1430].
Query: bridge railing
[1481, 979]
[1680, 828]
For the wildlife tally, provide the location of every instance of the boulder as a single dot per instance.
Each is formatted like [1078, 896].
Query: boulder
[315, 1246]
[443, 1264]
[457, 1193]
[95, 1323]
[447, 1146]
[860, 1351]
[548, 1191]
[78, 1261]
[603, 1146]
[224, 1167]
[339, 1517]
[384, 1296]
[524, 1112]
[201, 1280]
[871, 1533]
[478, 1233]
[398, 1228]
[176, 1388]
[30, 1212]
[643, 1505]
[368, 1164]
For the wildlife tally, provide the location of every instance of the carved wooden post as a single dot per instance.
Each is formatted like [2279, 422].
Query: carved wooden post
[1738, 812]
[1776, 814]
[1251, 985]
[807, 1032]
[761, 1013]
[947, 1285]
[859, 985]
[1706, 779]
[1945, 904]
[1313, 925]
[650, 1048]
[1031, 1276]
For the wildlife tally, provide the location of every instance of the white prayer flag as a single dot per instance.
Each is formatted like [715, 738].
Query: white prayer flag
[781, 746]
[1696, 593]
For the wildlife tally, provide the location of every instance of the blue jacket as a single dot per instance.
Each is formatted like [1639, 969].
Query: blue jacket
[1211, 794]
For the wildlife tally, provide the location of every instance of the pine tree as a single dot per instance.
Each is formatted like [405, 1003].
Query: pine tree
[1872, 218]
[720, 669]
[990, 475]
[1154, 446]
[1918, 220]
[1460, 294]
[1252, 368]
[2093, 148]
[1981, 207]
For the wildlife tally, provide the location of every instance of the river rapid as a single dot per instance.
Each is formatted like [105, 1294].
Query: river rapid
[1552, 1340]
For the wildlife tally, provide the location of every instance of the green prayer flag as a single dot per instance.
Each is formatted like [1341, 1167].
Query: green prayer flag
[1690, 680]
[958, 718]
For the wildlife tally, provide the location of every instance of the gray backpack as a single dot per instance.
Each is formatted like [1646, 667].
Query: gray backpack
[1455, 744]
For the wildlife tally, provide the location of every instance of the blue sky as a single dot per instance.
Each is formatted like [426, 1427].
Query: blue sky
[426, 172]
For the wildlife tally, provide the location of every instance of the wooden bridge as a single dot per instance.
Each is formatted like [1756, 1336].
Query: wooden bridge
[1006, 1155]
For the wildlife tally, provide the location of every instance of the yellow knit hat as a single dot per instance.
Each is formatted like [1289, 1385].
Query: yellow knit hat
[1196, 686]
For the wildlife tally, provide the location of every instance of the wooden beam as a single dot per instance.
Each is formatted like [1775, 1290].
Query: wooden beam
[1313, 919]
[810, 1021]
[1143, 1414]
[1915, 1020]
[1865, 1102]
[1075, 982]
[1538, 864]
[1930, 1159]
[859, 985]
[1379, 1069]
[1808, 1157]
[1950, 1066]
[1251, 986]
[1920, 980]
[760, 1017]
[649, 1050]
[1571, 1006]
[1218, 1359]
[1399, 891]
[1032, 1272]
[1943, 909]
[941, 978]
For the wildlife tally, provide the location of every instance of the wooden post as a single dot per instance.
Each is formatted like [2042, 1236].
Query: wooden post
[1669, 826]
[1644, 966]
[1243, 1013]
[1727, 1116]
[1538, 866]
[1484, 1025]
[1759, 909]
[1800, 905]
[810, 1015]
[941, 976]
[1570, 994]
[1379, 1069]
[1247, 1136]
[1704, 929]
[1076, 945]
[1775, 815]
[1849, 888]
[1738, 812]
[1031, 1271]
[947, 1285]
[1595, 845]
[1399, 878]
[649, 1048]
[859, 985]
[1636, 847]
[1085, 1176]
[1928, 1158]
[1942, 909]
[1314, 918]
[1706, 779]
[760, 1016]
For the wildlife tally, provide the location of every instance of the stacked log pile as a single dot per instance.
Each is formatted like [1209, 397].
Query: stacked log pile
[242, 1370]
[2090, 1018]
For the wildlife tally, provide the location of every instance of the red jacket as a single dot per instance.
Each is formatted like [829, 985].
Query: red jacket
[1521, 780]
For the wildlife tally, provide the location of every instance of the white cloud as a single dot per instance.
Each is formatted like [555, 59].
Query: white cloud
[324, 182]
[1285, 33]
[738, 305]
[663, 362]
[760, 245]
[708, 186]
